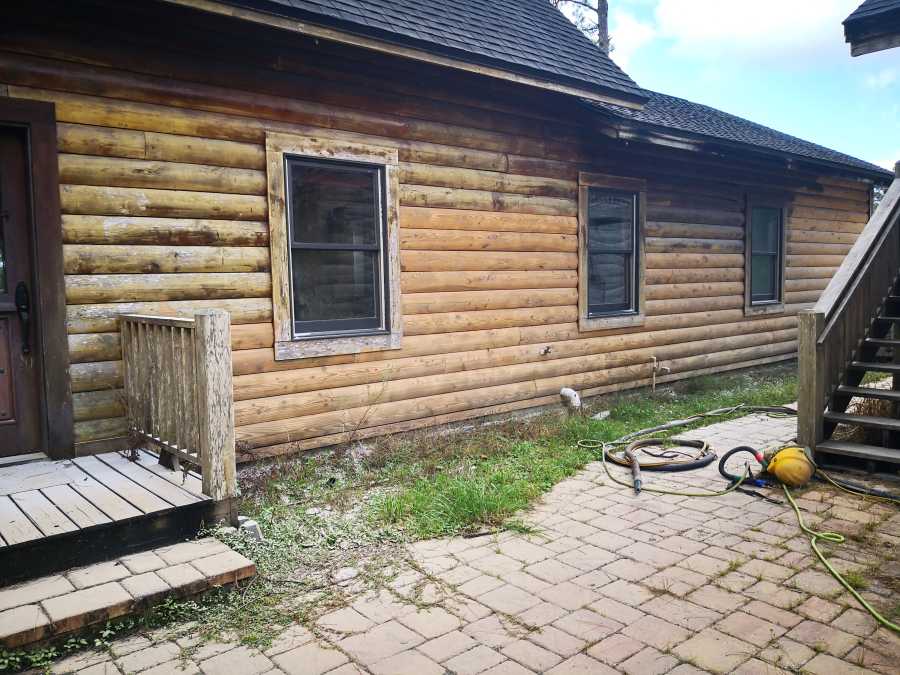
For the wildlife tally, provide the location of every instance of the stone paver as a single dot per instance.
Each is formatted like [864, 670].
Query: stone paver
[310, 659]
[55, 605]
[610, 583]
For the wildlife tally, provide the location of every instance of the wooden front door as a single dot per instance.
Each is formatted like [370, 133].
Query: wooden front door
[20, 351]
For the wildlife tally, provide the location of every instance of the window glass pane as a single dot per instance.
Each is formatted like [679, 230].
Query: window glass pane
[332, 285]
[764, 278]
[765, 235]
[610, 220]
[609, 282]
[332, 204]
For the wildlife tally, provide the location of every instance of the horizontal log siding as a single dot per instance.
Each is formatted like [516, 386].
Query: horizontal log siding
[164, 211]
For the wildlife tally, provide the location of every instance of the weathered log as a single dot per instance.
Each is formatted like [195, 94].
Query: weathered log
[137, 173]
[472, 240]
[91, 259]
[162, 231]
[117, 201]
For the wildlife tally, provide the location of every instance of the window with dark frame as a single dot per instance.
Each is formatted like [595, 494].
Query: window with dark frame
[766, 254]
[335, 212]
[611, 239]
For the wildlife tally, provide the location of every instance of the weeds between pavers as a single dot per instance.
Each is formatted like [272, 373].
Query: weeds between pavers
[352, 510]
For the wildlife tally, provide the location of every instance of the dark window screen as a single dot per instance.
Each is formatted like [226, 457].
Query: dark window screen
[611, 234]
[337, 244]
[765, 254]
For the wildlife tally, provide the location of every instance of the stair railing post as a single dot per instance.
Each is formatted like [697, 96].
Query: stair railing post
[215, 402]
[811, 381]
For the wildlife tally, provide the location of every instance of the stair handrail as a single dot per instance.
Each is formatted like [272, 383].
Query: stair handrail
[830, 332]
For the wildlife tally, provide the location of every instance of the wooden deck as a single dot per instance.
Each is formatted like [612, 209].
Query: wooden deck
[56, 514]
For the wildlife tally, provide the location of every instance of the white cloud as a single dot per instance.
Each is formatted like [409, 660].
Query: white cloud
[767, 31]
[628, 35]
[882, 79]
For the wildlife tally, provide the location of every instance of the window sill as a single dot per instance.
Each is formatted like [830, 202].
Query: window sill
[587, 324]
[334, 346]
[764, 310]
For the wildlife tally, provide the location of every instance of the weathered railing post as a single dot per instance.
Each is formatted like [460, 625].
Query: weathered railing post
[811, 383]
[215, 402]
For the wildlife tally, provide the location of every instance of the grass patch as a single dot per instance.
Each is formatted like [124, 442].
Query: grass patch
[856, 579]
[521, 460]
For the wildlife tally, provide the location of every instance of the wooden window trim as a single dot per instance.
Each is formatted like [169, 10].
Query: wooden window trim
[287, 347]
[39, 120]
[774, 202]
[624, 320]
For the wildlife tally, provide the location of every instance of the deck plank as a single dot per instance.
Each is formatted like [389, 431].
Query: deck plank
[190, 481]
[141, 475]
[36, 475]
[15, 527]
[126, 488]
[75, 506]
[43, 513]
[104, 499]
[14, 460]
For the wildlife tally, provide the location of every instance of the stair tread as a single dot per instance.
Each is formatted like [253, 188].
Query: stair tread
[859, 450]
[869, 392]
[864, 420]
[886, 317]
[882, 341]
[877, 367]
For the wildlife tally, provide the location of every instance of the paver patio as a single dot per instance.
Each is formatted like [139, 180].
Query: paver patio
[612, 582]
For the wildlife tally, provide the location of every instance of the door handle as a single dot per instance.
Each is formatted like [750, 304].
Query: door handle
[23, 309]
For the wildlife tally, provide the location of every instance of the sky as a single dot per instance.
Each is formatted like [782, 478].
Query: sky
[782, 63]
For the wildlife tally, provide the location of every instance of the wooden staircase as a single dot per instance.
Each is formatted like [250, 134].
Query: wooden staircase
[877, 353]
[854, 331]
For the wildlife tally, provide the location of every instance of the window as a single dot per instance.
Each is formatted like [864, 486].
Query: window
[334, 244]
[337, 261]
[611, 258]
[764, 254]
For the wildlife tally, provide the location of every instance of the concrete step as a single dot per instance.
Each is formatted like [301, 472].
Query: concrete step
[45, 608]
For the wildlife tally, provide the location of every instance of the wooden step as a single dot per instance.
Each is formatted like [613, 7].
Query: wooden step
[887, 318]
[869, 392]
[893, 368]
[882, 342]
[861, 450]
[886, 423]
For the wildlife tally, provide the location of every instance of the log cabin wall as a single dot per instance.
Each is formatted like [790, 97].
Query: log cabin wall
[162, 164]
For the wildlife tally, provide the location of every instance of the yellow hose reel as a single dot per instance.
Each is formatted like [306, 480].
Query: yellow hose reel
[791, 465]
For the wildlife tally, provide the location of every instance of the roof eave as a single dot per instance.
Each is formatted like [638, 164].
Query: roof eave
[317, 30]
[873, 33]
[632, 130]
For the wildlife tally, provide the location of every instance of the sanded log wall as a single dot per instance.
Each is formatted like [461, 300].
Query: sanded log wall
[164, 212]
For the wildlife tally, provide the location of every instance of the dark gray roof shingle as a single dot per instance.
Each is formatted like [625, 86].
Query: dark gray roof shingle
[527, 36]
[872, 8]
[673, 113]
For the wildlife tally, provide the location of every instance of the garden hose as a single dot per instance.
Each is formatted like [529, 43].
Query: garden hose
[710, 493]
[667, 460]
[835, 538]
[751, 479]
[858, 490]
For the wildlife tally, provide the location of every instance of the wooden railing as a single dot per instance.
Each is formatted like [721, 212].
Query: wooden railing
[830, 332]
[178, 391]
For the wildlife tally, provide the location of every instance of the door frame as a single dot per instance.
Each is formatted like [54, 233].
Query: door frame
[38, 119]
